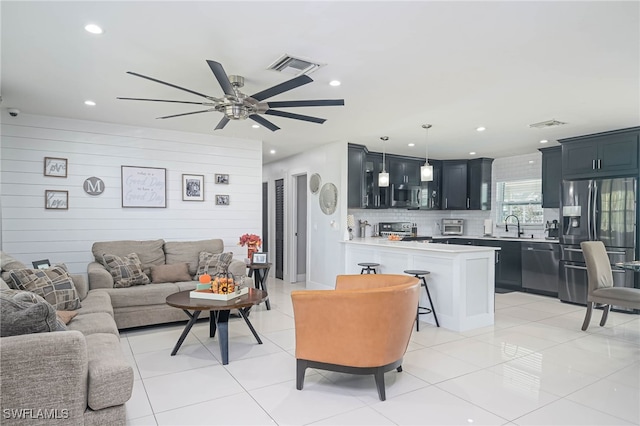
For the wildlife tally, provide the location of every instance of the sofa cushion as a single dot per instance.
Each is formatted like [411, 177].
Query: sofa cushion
[96, 301]
[170, 273]
[98, 322]
[149, 252]
[212, 264]
[66, 316]
[189, 251]
[7, 263]
[126, 271]
[24, 312]
[142, 295]
[110, 374]
[54, 285]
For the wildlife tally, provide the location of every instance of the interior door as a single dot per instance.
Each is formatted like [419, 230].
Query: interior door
[280, 228]
[301, 228]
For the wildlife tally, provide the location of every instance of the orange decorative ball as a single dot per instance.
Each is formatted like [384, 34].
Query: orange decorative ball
[205, 279]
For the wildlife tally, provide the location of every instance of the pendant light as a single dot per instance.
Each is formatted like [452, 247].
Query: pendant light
[383, 177]
[426, 171]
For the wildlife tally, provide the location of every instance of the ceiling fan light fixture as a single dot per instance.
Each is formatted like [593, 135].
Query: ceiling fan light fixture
[236, 112]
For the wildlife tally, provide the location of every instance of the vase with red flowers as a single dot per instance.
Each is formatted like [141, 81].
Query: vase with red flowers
[253, 243]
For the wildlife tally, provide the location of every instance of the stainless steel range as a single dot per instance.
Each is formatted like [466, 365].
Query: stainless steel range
[402, 229]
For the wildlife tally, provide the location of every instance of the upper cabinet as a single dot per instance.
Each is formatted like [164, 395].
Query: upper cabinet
[601, 155]
[479, 183]
[551, 176]
[376, 197]
[355, 186]
[404, 170]
[454, 185]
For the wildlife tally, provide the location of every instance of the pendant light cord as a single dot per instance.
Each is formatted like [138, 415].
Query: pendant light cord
[426, 143]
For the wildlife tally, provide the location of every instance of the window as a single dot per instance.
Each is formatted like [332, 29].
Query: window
[522, 198]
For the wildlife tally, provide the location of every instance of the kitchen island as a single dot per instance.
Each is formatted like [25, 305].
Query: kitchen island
[461, 282]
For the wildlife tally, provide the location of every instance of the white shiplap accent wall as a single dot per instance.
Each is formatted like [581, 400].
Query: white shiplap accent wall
[29, 232]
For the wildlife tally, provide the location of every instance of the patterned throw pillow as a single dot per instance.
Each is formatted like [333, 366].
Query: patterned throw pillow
[24, 312]
[213, 264]
[53, 284]
[126, 271]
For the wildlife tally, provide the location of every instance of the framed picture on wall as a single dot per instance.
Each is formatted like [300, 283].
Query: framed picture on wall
[56, 167]
[144, 187]
[222, 200]
[56, 200]
[222, 179]
[192, 188]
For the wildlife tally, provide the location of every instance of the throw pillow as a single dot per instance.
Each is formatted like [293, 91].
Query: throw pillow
[66, 316]
[170, 273]
[54, 285]
[212, 264]
[126, 271]
[24, 312]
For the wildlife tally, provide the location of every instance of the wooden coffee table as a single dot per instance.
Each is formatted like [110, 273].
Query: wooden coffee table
[218, 315]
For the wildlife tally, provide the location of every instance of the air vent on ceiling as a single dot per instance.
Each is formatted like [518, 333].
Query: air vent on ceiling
[292, 65]
[547, 124]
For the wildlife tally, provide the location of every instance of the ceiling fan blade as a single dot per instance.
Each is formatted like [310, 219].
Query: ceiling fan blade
[172, 85]
[222, 77]
[295, 116]
[165, 100]
[186, 113]
[313, 103]
[266, 123]
[282, 87]
[223, 122]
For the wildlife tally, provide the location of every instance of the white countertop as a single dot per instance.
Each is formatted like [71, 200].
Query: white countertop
[523, 240]
[419, 245]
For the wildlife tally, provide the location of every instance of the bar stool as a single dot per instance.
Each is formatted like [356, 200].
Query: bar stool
[368, 268]
[419, 273]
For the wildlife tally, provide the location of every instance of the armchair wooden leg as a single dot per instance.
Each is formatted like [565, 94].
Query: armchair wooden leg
[587, 317]
[605, 315]
[379, 377]
[301, 367]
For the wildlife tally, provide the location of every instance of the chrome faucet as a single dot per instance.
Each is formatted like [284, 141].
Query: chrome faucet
[506, 226]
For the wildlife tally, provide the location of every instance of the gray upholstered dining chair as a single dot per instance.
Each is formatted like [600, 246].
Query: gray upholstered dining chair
[601, 289]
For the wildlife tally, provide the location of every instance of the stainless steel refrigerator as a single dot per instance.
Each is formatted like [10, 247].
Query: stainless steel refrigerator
[596, 210]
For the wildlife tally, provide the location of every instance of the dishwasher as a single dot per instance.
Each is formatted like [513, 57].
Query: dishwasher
[541, 267]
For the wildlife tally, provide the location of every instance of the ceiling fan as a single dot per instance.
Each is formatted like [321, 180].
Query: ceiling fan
[235, 105]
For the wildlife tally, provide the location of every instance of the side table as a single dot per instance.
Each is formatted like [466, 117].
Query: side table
[260, 273]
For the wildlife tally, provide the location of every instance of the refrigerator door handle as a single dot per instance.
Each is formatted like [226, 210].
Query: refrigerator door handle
[576, 267]
[572, 249]
[589, 208]
[593, 210]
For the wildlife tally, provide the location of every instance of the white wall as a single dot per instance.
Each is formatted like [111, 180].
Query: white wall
[325, 256]
[29, 232]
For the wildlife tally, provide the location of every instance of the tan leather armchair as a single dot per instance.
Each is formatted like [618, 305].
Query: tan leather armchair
[361, 327]
[601, 289]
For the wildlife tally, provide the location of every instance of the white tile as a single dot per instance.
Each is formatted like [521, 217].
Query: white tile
[361, 417]
[161, 362]
[236, 326]
[238, 409]
[566, 413]
[608, 346]
[555, 306]
[611, 397]
[524, 312]
[189, 387]
[273, 320]
[629, 376]
[629, 331]
[142, 421]
[431, 336]
[242, 347]
[155, 339]
[480, 353]
[433, 406]
[319, 399]
[138, 405]
[497, 394]
[588, 362]
[286, 339]
[434, 367]
[264, 370]
[556, 334]
[511, 337]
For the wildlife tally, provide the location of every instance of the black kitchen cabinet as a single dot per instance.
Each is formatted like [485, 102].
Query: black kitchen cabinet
[355, 174]
[509, 263]
[454, 185]
[431, 192]
[376, 197]
[479, 183]
[551, 176]
[601, 155]
[404, 170]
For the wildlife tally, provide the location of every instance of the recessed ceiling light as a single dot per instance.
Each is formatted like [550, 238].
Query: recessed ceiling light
[481, 129]
[255, 126]
[93, 29]
[334, 83]
[531, 161]
[412, 144]
[472, 153]
[544, 141]
[90, 103]
[273, 151]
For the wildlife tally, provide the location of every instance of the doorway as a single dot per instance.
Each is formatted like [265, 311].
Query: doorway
[279, 228]
[300, 231]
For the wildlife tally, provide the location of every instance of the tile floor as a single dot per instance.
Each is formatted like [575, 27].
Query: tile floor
[533, 367]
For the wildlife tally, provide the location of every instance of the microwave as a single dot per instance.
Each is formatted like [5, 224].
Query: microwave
[452, 227]
[405, 195]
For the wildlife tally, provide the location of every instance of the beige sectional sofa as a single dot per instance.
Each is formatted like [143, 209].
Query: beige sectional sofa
[140, 305]
[74, 377]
